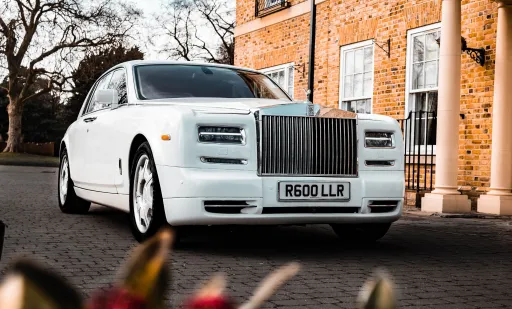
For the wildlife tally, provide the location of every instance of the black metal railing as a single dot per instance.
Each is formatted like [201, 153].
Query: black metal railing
[265, 7]
[419, 130]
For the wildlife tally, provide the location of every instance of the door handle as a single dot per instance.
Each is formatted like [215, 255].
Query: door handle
[90, 119]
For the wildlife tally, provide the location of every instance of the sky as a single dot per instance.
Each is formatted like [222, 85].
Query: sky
[149, 8]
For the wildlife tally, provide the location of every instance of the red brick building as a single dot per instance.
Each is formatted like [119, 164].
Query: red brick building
[391, 57]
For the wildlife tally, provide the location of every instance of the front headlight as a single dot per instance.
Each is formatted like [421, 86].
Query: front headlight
[223, 135]
[379, 140]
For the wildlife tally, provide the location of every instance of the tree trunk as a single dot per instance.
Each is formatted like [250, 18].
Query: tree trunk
[15, 111]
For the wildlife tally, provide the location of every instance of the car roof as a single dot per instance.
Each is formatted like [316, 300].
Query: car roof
[133, 63]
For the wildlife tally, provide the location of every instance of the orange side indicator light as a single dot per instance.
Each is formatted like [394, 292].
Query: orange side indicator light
[166, 137]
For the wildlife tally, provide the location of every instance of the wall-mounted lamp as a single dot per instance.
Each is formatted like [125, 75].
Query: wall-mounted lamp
[300, 68]
[385, 46]
[477, 54]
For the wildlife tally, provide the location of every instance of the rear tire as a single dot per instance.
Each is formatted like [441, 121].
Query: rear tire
[361, 233]
[147, 213]
[69, 202]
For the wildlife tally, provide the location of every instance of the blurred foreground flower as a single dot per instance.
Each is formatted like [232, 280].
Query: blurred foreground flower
[143, 285]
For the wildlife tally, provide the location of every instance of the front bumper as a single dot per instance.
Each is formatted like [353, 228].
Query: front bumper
[214, 197]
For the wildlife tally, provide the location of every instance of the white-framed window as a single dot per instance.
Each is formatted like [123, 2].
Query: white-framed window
[422, 84]
[356, 77]
[283, 75]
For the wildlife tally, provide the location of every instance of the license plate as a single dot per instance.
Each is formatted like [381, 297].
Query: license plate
[309, 191]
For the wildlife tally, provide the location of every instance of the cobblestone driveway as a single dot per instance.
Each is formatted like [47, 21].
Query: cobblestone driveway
[436, 262]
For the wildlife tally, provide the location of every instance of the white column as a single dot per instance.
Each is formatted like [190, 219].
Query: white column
[445, 197]
[499, 199]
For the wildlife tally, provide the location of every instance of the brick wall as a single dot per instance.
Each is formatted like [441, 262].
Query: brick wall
[345, 22]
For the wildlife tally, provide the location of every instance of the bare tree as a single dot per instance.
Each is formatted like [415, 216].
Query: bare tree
[199, 29]
[46, 36]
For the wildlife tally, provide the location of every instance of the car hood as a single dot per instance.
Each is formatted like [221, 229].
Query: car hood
[234, 106]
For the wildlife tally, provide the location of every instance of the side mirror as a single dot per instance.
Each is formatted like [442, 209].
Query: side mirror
[107, 97]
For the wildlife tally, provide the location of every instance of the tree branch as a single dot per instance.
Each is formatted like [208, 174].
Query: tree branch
[38, 94]
[22, 8]
[4, 26]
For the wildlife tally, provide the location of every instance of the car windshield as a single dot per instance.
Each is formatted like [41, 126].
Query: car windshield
[181, 81]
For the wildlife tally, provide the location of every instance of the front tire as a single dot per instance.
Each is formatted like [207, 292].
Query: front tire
[147, 214]
[361, 233]
[69, 202]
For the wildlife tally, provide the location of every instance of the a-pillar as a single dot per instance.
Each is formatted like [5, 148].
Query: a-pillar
[445, 197]
[499, 199]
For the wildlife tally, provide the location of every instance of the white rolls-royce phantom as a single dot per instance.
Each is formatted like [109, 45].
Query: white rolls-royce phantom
[187, 144]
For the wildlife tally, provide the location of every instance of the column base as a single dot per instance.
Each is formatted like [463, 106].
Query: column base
[445, 203]
[495, 204]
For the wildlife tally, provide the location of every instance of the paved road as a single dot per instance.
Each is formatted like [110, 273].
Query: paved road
[436, 262]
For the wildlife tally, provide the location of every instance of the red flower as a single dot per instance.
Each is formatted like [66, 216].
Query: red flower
[210, 302]
[116, 299]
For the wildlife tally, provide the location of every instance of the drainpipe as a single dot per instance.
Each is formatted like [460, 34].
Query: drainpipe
[311, 70]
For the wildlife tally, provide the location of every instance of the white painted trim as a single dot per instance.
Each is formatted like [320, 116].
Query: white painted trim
[274, 18]
[409, 60]
[348, 47]
[282, 67]
[277, 67]
[408, 72]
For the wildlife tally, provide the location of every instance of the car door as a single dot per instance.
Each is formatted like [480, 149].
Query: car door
[78, 137]
[103, 160]
[91, 114]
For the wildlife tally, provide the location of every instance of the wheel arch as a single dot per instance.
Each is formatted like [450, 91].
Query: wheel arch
[138, 140]
[62, 147]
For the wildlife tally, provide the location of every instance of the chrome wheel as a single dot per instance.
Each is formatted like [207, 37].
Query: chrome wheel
[143, 194]
[64, 180]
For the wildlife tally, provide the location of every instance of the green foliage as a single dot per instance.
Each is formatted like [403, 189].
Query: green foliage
[90, 69]
[46, 118]
[41, 121]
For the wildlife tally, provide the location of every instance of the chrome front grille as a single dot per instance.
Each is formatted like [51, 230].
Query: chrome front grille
[307, 146]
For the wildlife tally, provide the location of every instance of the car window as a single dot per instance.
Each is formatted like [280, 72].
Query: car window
[118, 82]
[102, 84]
[180, 81]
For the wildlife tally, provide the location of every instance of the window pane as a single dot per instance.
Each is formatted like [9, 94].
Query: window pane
[361, 106]
[348, 86]
[432, 51]
[420, 101]
[432, 102]
[431, 129]
[359, 61]
[349, 62]
[417, 76]
[281, 79]
[358, 85]
[349, 106]
[367, 84]
[118, 82]
[431, 74]
[419, 48]
[368, 106]
[352, 107]
[102, 84]
[368, 59]
[290, 80]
